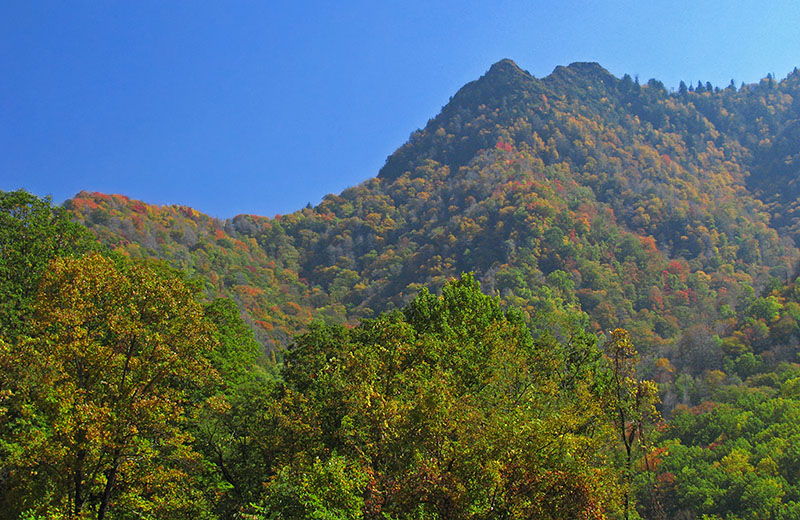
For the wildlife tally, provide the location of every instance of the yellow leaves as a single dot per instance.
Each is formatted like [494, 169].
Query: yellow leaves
[621, 345]
[767, 466]
[116, 347]
[665, 365]
[736, 462]
[218, 404]
[373, 219]
[714, 378]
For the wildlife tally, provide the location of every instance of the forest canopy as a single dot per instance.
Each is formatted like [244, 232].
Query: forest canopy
[565, 297]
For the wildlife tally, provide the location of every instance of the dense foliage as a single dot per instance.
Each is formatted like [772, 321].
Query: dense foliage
[581, 202]
[238, 267]
[126, 397]
[736, 457]
[31, 234]
[452, 409]
[644, 208]
[96, 395]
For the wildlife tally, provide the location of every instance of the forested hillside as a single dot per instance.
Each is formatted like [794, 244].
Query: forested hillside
[124, 395]
[583, 204]
[647, 209]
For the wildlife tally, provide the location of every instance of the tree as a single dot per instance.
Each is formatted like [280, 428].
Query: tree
[700, 87]
[96, 397]
[452, 409]
[32, 233]
[633, 405]
[236, 347]
[737, 457]
[229, 428]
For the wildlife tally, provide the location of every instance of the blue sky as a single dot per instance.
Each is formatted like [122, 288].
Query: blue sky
[261, 107]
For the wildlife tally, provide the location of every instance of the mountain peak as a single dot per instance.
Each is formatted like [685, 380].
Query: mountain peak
[587, 67]
[504, 67]
[581, 69]
[580, 74]
[502, 77]
[503, 81]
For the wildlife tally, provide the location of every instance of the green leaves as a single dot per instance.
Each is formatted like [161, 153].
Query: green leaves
[236, 349]
[327, 490]
[32, 233]
[735, 459]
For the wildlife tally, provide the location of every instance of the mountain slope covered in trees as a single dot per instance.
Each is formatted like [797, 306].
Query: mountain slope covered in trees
[643, 208]
[123, 396]
[582, 201]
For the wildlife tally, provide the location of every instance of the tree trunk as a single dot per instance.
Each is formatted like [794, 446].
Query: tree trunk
[111, 476]
[77, 475]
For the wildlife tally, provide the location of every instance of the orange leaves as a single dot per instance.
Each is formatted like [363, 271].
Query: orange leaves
[247, 290]
[267, 326]
[682, 297]
[678, 267]
[503, 146]
[188, 212]
[294, 309]
[87, 203]
[649, 244]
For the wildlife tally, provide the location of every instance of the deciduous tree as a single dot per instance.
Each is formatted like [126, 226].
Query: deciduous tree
[96, 397]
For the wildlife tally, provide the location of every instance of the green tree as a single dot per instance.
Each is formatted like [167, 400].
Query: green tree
[232, 428]
[735, 458]
[327, 490]
[32, 233]
[236, 349]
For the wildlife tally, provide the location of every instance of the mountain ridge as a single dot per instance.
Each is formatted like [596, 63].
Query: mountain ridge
[550, 267]
[577, 191]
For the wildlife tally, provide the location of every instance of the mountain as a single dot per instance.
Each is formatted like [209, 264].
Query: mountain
[668, 213]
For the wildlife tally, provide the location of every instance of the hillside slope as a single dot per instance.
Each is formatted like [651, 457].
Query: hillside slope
[666, 213]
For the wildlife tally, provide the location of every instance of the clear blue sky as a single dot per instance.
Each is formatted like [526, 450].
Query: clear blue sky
[261, 107]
